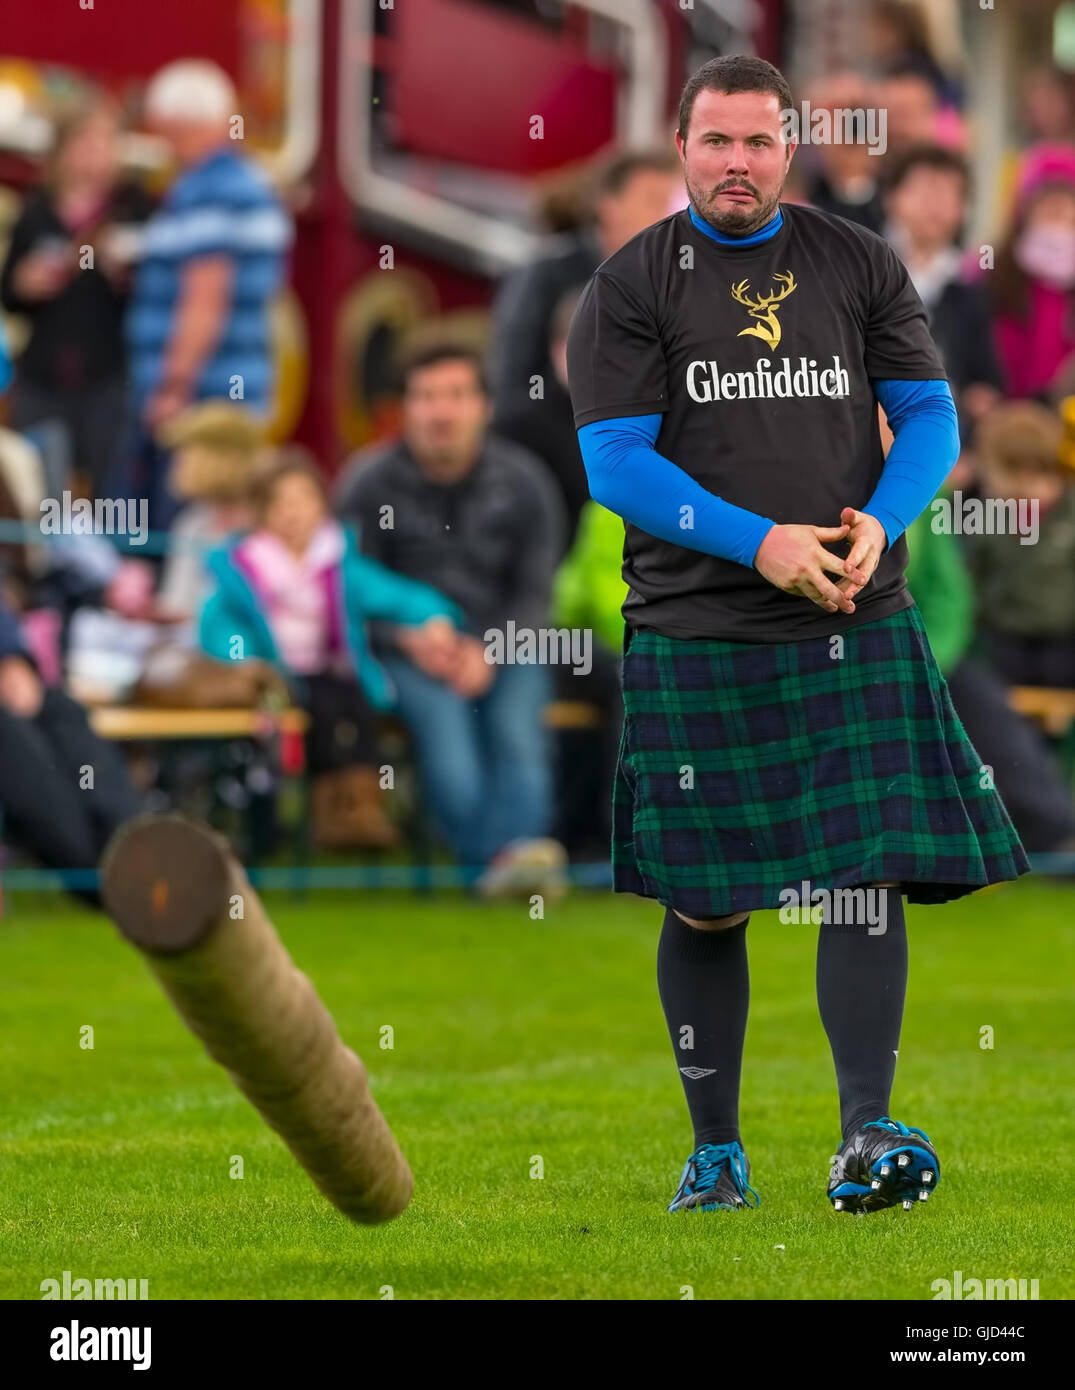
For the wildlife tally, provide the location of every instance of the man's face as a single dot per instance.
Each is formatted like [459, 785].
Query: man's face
[648, 196]
[911, 107]
[1046, 106]
[929, 204]
[190, 140]
[734, 159]
[445, 413]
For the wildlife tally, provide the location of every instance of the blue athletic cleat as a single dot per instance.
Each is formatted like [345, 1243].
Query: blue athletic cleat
[715, 1178]
[881, 1164]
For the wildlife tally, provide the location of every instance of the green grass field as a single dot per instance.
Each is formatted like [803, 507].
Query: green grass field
[514, 1039]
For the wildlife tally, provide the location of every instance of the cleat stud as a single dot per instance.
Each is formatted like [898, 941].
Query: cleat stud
[908, 1204]
[838, 1205]
[875, 1184]
[927, 1175]
[923, 1196]
[886, 1169]
[903, 1160]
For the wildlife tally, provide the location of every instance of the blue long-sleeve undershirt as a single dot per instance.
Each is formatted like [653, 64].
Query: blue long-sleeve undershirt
[628, 476]
[922, 417]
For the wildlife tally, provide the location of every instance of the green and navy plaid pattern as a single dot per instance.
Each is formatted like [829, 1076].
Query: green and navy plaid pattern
[746, 769]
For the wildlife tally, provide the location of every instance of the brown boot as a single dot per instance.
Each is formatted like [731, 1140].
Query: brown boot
[324, 809]
[348, 811]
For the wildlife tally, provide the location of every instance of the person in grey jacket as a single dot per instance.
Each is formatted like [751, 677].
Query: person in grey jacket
[631, 189]
[478, 518]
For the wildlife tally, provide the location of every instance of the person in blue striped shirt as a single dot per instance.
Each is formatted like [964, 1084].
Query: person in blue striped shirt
[213, 260]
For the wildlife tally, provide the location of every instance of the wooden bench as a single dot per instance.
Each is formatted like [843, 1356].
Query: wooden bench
[121, 722]
[572, 714]
[1054, 713]
[132, 723]
[140, 723]
[1052, 710]
[127, 722]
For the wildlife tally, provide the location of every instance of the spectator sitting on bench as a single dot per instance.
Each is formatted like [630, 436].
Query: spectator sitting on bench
[296, 592]
[70, 586]
[1026, 591]
[63, 790]
[481, 520]
[124, 635]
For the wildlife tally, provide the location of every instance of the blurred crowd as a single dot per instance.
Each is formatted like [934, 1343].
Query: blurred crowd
[147, 373]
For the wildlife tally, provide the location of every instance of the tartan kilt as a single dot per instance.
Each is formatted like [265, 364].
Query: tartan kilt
[745, 769]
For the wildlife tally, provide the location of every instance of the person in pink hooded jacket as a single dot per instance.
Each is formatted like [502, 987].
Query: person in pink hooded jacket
[1033, 285]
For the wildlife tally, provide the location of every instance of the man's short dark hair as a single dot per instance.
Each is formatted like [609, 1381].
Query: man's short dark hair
[937, 157]
[736, 72]
[617, 172]
[433, 354]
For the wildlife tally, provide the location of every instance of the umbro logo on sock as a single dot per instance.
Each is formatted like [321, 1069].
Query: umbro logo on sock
[695, 1072]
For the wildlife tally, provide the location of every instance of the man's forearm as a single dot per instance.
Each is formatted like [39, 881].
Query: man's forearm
[204, 299]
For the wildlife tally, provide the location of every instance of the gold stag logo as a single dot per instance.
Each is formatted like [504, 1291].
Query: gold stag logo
[763, 308]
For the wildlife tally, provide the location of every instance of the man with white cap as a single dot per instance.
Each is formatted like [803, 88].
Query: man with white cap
[198, 325]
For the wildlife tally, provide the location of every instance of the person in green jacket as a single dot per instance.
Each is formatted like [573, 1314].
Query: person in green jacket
[588, 594]
[589, 590]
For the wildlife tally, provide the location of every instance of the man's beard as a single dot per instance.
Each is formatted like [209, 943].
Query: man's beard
[448, 461]
[737, 221]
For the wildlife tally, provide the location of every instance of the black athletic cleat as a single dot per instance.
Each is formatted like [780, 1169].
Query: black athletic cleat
[881, 1164]
[716, 1177]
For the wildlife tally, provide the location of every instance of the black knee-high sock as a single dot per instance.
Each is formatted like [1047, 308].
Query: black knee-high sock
[704, 986]
[861, 984]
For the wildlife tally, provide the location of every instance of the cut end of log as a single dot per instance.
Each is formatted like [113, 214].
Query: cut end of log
[165, 881]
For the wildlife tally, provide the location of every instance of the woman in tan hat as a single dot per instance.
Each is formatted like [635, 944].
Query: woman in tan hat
[218, 448]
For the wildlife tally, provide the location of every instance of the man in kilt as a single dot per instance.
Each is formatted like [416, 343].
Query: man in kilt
[788, 741]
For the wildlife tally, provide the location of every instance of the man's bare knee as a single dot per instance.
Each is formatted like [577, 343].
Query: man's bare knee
[714, 923]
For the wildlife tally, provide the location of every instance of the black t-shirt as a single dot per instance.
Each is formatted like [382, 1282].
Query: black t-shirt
[760, 360]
